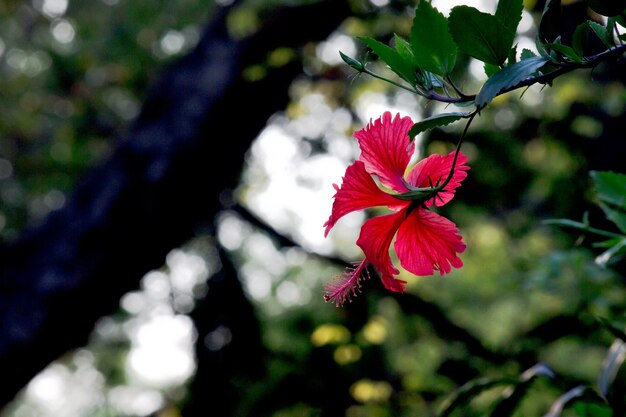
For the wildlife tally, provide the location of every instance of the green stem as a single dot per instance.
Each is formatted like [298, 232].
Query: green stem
[447, 99]
[460, 93]
[426, 193]
[431, 95]
[397, 84]
[457, 150]
[581, 226]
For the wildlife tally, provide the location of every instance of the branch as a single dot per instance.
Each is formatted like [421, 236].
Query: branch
[282, 240]
[548, 77]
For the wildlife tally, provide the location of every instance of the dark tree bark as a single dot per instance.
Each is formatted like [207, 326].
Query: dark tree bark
[229, 351]
[160, 186]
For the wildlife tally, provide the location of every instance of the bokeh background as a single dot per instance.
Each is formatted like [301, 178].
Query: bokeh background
[165, 172]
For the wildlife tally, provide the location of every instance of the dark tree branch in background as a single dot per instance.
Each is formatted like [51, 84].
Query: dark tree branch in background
[229, 349]
[282, 240]
[158, 188]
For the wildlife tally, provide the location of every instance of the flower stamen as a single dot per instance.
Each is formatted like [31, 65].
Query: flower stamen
[347, 285]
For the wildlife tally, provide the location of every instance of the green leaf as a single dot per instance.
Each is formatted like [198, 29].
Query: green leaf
[549, 26]
[616, 216]
[512, 58]
[509, 12]
[527, 53]
[357, 65]
[610, 187]
[582, 36]
[538, 369]
[470, 390]
[436, 121]
[585, 409]
[581, 394]
[606, 256]
[404, 49]
[607, 243]
[611, 365]
[508, 77]
[507, 405]
[565, 50]
[580, 39]
[396, 62]
[603, 33]
[433, 46]
[428, 80]
[541, 48]
[424, 78]
[481, 35]
[490, 69]
[557, 407]
[608, 7]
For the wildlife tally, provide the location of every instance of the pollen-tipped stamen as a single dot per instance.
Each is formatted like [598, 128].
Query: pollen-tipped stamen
[347, 285]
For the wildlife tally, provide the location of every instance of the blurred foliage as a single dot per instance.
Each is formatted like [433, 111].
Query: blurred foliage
[529, 293]
[73, 76]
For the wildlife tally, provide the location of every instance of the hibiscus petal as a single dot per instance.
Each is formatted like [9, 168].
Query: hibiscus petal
[358, 191]
[386, 149]
[375, 239]
[434, 170]
[427, 242]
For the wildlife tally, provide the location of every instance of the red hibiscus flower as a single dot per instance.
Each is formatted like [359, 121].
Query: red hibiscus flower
[425, 242]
